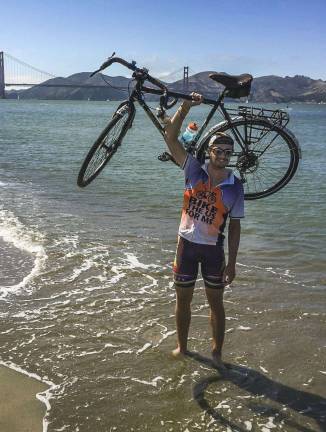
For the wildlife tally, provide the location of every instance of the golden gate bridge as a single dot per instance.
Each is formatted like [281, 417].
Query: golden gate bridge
[15, 73]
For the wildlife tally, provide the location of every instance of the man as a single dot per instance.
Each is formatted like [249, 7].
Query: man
[212, 193]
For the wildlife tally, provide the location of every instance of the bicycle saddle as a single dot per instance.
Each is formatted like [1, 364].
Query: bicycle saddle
[231, 81]
[237, 86]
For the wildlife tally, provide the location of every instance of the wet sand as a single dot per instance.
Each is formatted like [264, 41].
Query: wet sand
[20, 410]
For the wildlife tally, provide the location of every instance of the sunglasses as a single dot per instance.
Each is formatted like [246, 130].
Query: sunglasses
[218, 151]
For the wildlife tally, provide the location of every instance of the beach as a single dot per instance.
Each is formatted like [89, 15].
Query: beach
[20, 410]
[87, 299]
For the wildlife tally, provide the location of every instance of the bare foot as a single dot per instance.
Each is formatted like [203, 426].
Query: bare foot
[217, 360]
[178, 352]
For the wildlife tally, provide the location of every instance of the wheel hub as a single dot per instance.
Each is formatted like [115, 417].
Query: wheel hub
[247, 162]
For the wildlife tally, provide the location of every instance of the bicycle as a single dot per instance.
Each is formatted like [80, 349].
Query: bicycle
[266, 154]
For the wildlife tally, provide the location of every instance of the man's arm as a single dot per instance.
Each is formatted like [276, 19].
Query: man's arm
[233, 245]
[173, 126]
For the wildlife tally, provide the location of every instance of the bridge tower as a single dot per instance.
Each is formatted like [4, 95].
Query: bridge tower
[185, 78]
[2, 76]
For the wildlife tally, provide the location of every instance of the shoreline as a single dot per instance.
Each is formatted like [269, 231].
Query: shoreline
[23, 405]
[228, 101]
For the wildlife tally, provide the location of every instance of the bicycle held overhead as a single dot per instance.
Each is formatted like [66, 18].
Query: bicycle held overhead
[266, 154]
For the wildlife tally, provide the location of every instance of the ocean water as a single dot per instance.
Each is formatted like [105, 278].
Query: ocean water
[86, 296]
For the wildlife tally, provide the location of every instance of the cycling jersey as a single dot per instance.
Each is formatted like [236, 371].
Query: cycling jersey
[206, 208]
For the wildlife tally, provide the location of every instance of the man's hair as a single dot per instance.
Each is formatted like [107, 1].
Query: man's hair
[220, 138]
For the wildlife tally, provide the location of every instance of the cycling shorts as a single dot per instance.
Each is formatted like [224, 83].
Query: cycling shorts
[187, 259]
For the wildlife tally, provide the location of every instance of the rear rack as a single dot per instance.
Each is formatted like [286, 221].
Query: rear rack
[276, 117]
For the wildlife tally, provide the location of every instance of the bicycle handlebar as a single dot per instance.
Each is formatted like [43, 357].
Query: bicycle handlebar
[143, 71]
[132, 66]
[111, 60]
[140, 73]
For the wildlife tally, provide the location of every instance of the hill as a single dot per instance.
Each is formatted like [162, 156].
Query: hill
[102, 87]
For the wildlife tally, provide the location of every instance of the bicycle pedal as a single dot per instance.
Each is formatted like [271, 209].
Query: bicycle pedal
[164, 157]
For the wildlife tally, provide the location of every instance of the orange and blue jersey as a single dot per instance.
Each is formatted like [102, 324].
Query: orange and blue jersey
[206, 208]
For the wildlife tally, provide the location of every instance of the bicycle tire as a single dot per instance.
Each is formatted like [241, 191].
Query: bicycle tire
[106, 144]
[255, 186]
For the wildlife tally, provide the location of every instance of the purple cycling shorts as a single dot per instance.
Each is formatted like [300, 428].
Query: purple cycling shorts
[186, 264]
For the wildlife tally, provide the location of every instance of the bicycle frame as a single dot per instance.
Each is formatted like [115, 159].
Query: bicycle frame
[217, 104]
[141, 75]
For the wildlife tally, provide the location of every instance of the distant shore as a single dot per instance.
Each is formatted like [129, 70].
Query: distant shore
[20, 410]
[264, 89]
[227, 101]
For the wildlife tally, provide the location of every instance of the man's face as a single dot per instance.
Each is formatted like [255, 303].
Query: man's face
[219, 154]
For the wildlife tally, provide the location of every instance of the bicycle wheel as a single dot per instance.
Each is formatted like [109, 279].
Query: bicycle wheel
[269, 159]
[106, 144]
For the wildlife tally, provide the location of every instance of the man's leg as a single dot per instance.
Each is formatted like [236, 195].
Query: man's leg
[183, 317]
[217, 320]
[185, 270]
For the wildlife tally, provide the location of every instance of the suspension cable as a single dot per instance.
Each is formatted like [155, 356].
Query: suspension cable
[26, 64]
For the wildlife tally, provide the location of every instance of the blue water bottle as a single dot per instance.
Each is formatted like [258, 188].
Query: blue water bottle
[188, 135]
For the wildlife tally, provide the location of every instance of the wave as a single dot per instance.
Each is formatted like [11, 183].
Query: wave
[14, 232]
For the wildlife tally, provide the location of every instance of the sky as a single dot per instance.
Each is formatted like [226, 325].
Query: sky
[266, 37]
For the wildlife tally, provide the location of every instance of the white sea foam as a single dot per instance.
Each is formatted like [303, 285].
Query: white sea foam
[135, 263]
[43, 397]
[248, 425]
[144, 348]
[269, 425]
[14, 232]
[89, 263]
[244, 328]
[284, 274]
[165, 336]
[152, 383]
[223, 404]
[126, 351]
[118, 275]
[129, 263]
[182, 380]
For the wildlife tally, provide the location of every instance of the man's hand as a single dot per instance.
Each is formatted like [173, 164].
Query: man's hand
[229, 274]
[184, 108]
[197, 99]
